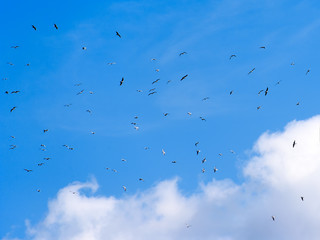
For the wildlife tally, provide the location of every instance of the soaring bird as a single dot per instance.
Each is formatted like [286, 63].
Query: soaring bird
[233, 55]
[27, 170]
[90, 92]
[152, 89]
[260, 91]
[12, 136]
[45, 130]
[206, 98]
[277, 83]
[198, 151]
[47, 158]
[123, 160]
[157, 70]
[151, 93]
[302, 198]
[92, 132]
[184, 77]
[77, 84]
[136, 128]
[189, 113]
[251, 70]
[165, 114]
[15, 47]
[294, 143]
[196, 144]
[55, 26]
[121, 82]
[180, 54]
[40, 164]
[266, 92]
[68, 105]
[153, 59]
[6, 92]
[34, 27]
[273, 218]
[111, 63]
[88, 111]
[263, 47]
[203, 119]
[173, 162]
[231, 92]
[84, 48]
[38, 190]
[292, 64]
[163, 152]
[12, 92]
[12, 109]
[307, 71]
[259, 107]
[12, 146]
[298, 103]
[118, 34]
[203, 170]
[139, 90]
[124, 188]
[80, 92]
[155, 81]
[215, 169]
[141, 179]
[204, 160]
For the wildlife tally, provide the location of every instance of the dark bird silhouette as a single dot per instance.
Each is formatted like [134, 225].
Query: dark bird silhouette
[231, 92]
[204, 160]
[141, 179]
[6, 92]
[80, 92]
[196, 144]
[40, 164]
[152, 89]
[55, 26]
[263, 47]
[27, 170]
[198, 151]
[266, 92]
[184, 77]
[206, 98]
[15, 92]
[182, 53]
[203, 119]
[45, 130]
[307, 71]
[15, 47]
[251, 70]
[302, 198]
[151, 93]
[233, 55]
[173, 162]
[12, 109]
[294, 143]
[34, 27]
[155, 81]
[259, 107]
[121, 82]
[12, 146]
[260, 91]
[118, 34]
[165, 114]
[273, 218]
[215, 169]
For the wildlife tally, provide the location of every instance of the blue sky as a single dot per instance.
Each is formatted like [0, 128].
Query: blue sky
[209, 31]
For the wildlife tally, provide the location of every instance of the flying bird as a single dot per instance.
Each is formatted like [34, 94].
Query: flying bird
[124, 188]
[204, 160]
[184, 77]
[302, 198]
[233, 55]
[12, 92]
[260, 91]
[12, 146]
[139, 90]
[203, 119]
[153, 59]
[189, 113]
[198, 151]
[55, 26]
[157, 70]
[215, 169]
[12, 109]
[173, 162]
[206, 98]
[40, 164]
[151, 93]
[259, 107]
[156, 81]
[231, 92]
[84, 48]
[136, 128]
[80, 92]
[263, 47]
[45, 130]
[294, 143]
[27, 170]
[307, 71]
[273, 218]
[266, 92]
[141, 179]
[121, 82]
[15, 47]
[47, 158]
[203, 170]
[118, 34]
[111, 63]
[163, 152]
[165, 114]
[251, 71]
[196, 144]
[34, 27]
[182, 53]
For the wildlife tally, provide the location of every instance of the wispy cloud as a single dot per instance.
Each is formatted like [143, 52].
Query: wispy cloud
[276, 176]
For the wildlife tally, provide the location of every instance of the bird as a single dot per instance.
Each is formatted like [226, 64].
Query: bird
[298, 103]
[12, 109]
[215, 169]
[184, 77]
[263, 47]
[155, 81]
[27, 170]
[233, 55]
[6, 92]
[92, 132]
[157, 70]
[206, 98]
[91, 92]
[68, 105]
[307, 71]
[111, 63]
[12, 146]
[163, 152]
[165, 114]
[12, 136]
[118, 34]
[153, 59]
[220, 154]
[42, 145]
[84, 48]
[204, 160]
[273, 218]
[259, 107]
[15, 47]
[203, 170]
[88, 111]
[180, 54]
[152, 89]
[196, 144]
[55, 26]
[260, 91]
[173, 162]
[114, 170]
[302, 198]
[188, 226]
[151, 93]
[77, 84]
[80, 92]
[189, 113]
[251, 71]
[123, 160]
[38, 190]
[45, 130]
[231, 92]
[136, 128]
[28, 64]
[121, 82]
[169, 81]
[10, 63]
[136, 117]
[124, 188]
[198, 151]
[232, 151]
[292, 64]
[294, 143]
[146, 148]
[277, 83]
[266, 92]
[40, 164]
[13, 92]
[47, 158]
[139, 90]
[203, 119]
[141, 179]
[34, 27]
[134, 123]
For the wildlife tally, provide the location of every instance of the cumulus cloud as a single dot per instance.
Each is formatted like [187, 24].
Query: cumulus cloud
[275, 177]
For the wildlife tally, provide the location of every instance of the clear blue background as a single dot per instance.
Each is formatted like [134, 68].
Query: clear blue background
[209, 31]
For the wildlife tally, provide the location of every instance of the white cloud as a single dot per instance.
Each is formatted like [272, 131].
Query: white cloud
[275, 177]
